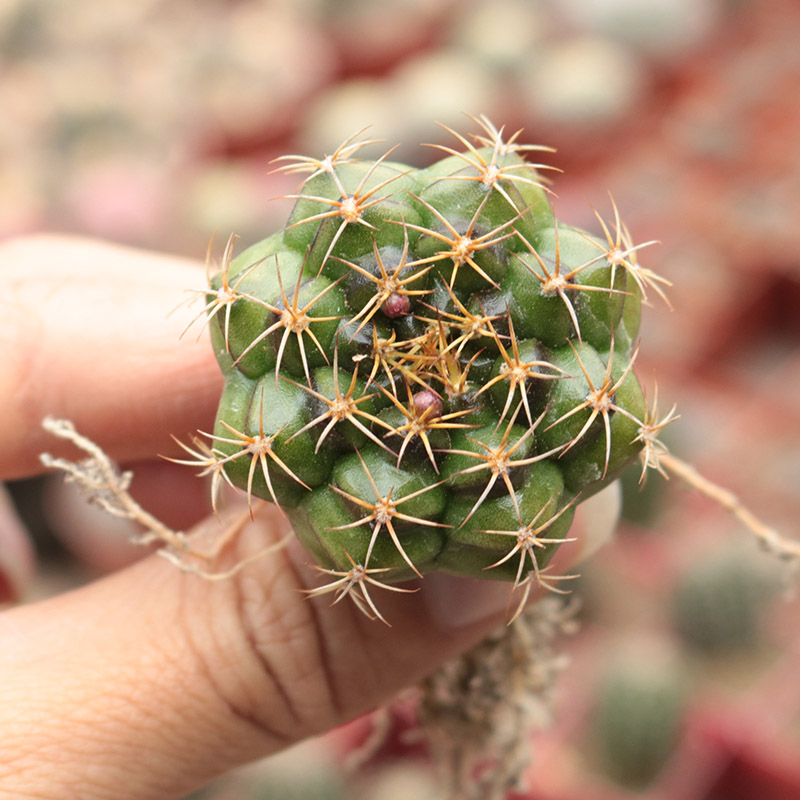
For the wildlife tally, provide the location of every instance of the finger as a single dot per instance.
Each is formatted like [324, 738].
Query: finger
[596, 520]
[152, 682]
[88, 335]
[16, 553]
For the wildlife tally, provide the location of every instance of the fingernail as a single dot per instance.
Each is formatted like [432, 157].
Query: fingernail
[16, 555]
[16, 568]
[596, 520]
[9, 586]
[455, 602]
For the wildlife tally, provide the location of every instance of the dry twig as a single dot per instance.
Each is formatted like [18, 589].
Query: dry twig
[104, 485]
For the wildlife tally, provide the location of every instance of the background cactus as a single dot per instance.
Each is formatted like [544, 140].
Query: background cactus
[426, 370]
[720, 603]
[635, 724]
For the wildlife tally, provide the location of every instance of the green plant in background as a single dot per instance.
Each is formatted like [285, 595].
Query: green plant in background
[719, 603]
[425, 369]
[635, 724]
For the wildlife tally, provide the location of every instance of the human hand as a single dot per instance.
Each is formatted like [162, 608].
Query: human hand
[151, 682]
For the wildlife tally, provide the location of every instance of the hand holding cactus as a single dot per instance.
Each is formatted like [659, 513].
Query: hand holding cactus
[424, 372]
[150, 682]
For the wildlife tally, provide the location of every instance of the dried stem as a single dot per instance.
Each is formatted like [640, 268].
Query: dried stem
[104, 485]
[773, 541]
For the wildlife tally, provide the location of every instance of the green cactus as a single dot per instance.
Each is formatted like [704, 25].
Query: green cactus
[635, 723]
[425, 370]
[718, 605]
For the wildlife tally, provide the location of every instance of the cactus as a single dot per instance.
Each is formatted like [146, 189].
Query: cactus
[718, 606]
[424, 369]
[635, 724]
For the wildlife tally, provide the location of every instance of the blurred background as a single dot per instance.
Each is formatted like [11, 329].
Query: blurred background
[153, 123]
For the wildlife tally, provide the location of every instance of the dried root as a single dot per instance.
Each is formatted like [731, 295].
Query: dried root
[104, 485]
[655, 455]
[772, 541]
[479, 711]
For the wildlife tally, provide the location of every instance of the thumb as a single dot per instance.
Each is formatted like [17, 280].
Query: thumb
[151, 682]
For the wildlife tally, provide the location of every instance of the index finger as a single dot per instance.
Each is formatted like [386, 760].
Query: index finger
[87, 333]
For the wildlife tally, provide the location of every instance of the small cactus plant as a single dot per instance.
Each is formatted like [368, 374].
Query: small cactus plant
[719, 603]
[425, 369]
[635, 724]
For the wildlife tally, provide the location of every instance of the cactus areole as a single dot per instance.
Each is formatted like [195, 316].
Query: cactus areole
[424, 369]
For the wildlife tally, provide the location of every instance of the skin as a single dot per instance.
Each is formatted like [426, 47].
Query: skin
[150, 682]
